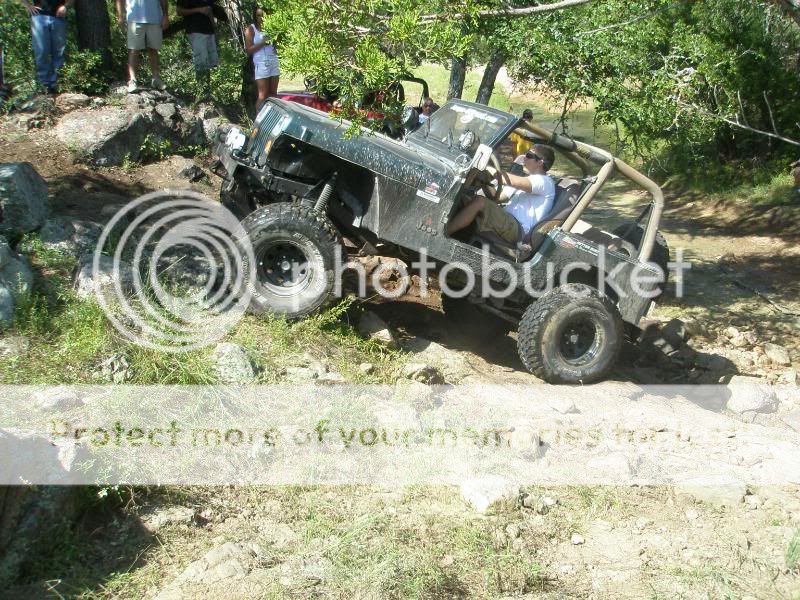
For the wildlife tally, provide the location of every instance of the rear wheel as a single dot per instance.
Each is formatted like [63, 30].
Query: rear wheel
[295, 250]
[570, 335]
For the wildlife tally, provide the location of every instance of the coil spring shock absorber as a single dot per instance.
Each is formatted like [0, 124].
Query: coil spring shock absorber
[321, 206]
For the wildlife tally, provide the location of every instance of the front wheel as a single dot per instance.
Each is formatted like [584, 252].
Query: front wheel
[570, 335]
[296, 250]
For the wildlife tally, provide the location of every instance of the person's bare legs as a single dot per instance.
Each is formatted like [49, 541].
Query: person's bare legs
[152, 55]
[262, 85]
[467, 215]
[272, 87]
[133, 63]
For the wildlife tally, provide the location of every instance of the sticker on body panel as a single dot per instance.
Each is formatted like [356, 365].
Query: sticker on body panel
[431, 193]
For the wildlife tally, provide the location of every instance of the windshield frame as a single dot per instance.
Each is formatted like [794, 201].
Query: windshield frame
[443, 147]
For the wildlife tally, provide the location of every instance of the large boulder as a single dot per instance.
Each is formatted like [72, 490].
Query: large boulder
[70, 236]
[16, 279]
[145, 126]
[88, 280]
[23, 199]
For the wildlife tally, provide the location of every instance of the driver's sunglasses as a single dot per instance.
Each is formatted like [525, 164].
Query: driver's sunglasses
[533, 156]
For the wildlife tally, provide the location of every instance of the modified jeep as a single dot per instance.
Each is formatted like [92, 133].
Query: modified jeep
[308, 194]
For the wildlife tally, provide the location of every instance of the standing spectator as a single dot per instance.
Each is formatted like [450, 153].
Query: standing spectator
[200, 22]
[146, 20]
[261, 47]
[49, 33]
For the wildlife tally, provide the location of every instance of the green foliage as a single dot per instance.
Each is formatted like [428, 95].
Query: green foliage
[352, 48]
[793, 552]
[650, 77]
[154, 149]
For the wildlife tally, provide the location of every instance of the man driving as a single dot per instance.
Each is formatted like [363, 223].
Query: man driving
[530, 197]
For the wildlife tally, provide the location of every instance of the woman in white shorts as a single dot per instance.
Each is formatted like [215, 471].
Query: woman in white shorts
[265, 59]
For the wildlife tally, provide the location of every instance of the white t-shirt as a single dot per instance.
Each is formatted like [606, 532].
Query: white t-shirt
[530, 207]
[144, 11]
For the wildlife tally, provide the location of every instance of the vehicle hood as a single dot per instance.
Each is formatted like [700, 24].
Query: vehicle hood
[383, 155]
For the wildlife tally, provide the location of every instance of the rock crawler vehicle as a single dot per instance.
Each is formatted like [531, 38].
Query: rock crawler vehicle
[306, 192]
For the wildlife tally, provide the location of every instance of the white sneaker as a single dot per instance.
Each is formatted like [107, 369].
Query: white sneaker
[132, 86]
[157, 84]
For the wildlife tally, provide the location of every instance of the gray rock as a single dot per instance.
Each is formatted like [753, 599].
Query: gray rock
[789, 376]
[16, 281]
[228, 562]
[792, 419]
[173, 515]
[366, 368]
[13, 346]
[88, 281]
[105, 137]
[68, 102]
[233, 365]
[110, 136]
[717, 491]
[423, 373]
[192, 172]
[777, 354]
[374, 328]
[300, 374]
[751, 395]
[56, 398]
[453, 364]
[115, 369]
[5, 252]
[696, 328]
[490, 493]
[577, 539]
[167, 111]
[23, 199]
[6, 305]
[562, 405]
[70, 236]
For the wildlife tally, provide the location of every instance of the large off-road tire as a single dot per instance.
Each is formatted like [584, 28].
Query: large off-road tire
[570, 335]
[471, 318]
[633, 233]
[295, 250]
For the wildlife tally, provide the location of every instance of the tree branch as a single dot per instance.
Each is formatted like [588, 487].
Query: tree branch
[634, 20]
[736, 123]
[508, 11]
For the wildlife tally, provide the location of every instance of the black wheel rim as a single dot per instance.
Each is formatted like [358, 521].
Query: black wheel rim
[580, 340]
[283, 268]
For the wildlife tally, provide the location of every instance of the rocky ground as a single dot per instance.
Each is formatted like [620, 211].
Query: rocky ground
[738, 318]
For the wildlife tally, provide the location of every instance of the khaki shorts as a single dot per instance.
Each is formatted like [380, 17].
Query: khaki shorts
[494, 218]
[144, 35]
[204, 51]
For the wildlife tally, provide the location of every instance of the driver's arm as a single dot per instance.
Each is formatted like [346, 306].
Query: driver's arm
[522, 183]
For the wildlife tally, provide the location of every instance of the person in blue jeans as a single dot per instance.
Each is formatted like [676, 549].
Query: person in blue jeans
[49, 33]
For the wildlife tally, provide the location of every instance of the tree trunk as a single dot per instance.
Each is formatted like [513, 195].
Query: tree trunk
[94, 31]
[237, 21]
[490, 76]
[458, 72]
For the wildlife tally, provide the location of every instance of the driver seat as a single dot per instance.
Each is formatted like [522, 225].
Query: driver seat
[568, 191]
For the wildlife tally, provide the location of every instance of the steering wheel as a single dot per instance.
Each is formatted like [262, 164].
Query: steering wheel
[493, 191]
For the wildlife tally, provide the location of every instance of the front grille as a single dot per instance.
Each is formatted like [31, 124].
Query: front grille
[270, 118]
